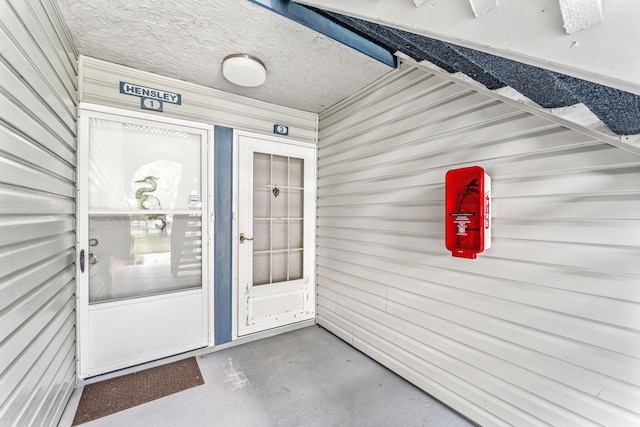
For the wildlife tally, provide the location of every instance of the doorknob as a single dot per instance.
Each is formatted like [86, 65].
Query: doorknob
[242, 238]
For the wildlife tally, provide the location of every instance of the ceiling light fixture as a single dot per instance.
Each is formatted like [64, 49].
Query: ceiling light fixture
[244, 70]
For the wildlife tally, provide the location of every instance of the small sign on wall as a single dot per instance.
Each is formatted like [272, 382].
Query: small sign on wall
[281, 130]
[150, 99]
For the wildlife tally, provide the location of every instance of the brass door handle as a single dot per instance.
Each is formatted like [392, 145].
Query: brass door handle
[242, 238]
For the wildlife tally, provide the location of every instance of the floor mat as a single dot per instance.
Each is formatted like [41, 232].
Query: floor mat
[117, 394]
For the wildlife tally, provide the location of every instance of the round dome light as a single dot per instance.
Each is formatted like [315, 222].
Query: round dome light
[244, 70]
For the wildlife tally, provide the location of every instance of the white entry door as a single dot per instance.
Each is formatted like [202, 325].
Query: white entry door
[276, 233]
[142, 240]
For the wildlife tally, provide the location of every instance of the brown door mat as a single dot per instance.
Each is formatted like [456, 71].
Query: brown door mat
[117, 394]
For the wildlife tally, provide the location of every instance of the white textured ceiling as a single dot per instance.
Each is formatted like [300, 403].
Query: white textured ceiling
[188, 39]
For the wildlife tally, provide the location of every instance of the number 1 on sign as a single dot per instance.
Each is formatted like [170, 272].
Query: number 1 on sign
[151, 104]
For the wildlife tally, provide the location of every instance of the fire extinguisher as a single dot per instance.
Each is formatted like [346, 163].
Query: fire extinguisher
[468, 219]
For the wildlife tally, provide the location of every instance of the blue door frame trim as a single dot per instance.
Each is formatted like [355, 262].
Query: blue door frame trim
[223, 237]
[316, 22]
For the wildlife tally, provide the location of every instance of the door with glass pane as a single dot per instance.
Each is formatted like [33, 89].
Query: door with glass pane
[276, 233]
[142, 240]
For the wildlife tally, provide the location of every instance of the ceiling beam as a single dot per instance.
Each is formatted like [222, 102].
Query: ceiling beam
[581, 14]
[324, 26]
[480, 7]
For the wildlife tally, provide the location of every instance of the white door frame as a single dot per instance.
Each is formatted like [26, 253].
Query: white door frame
[82, 291]
[235, 223]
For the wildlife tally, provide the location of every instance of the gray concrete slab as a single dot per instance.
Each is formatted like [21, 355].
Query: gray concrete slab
[306, 377]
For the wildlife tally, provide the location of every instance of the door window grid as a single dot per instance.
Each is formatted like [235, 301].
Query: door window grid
[277, 219]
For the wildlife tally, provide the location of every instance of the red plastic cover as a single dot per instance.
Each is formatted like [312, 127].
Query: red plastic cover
[467, 201]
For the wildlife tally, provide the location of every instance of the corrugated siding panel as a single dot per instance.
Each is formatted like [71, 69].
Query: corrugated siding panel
[100, 84]
[38, 98]
[544, 327]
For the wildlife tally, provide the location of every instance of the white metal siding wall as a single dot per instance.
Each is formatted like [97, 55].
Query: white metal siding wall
[38, 84]
[544, 327]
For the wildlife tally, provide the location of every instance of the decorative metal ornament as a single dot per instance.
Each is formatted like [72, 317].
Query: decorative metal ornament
[146, 201]
[276, 191]
[150, 202]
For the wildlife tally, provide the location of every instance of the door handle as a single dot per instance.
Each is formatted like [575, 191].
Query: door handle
[242, 238]
[82, 261]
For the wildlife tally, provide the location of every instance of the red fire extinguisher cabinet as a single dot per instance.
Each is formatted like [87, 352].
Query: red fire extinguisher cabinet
[468, 211]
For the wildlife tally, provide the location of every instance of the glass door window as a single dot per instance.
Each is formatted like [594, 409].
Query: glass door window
[278, 218]
[145, 219]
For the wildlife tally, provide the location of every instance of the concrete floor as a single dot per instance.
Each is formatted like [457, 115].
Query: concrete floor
[307, 377]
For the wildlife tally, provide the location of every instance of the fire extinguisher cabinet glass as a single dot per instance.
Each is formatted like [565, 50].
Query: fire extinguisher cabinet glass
[468, 211]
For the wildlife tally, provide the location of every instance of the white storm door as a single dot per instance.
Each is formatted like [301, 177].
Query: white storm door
[142, 240]
[276, 240]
